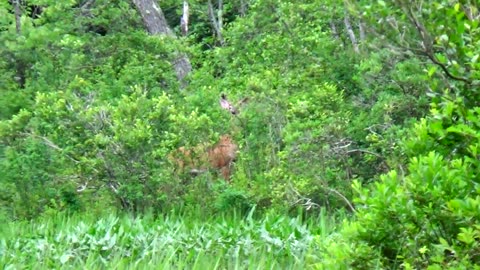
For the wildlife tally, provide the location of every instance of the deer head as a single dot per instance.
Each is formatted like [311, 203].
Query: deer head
[227, 105]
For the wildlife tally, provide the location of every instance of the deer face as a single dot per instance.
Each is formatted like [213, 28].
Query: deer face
[227, 105]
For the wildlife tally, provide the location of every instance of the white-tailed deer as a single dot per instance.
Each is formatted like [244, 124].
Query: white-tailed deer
[202, 157]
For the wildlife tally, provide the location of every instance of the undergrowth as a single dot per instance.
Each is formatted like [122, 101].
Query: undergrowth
[173, 241]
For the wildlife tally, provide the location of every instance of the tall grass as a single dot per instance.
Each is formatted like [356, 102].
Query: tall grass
[170, 242]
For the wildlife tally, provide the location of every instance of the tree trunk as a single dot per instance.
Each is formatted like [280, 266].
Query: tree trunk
[20, 76]
[333, 27]
[243, 8]
[220, 15]
[351, 34]
[361, 29]
[18, 15]
[184, 19]
[216, 22]
[156, 24]
[153, 17]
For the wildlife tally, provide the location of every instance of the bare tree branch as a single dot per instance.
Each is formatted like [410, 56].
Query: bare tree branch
[50, 144]
[365, 151]
[351, 34]
[350, 205]
[427, 44]
[184, 18]
[215, 22]
[361, 29]
[333, 27]
[87, 4]
[243, 8]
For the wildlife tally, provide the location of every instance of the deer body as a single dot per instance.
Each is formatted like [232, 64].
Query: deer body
[201, 158]
[222, 155]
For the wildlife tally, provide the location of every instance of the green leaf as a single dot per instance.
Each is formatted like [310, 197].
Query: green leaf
[457, 7]
[423, 250]
[432, 71]
[435, 267]
[467, 236]
[475, 58]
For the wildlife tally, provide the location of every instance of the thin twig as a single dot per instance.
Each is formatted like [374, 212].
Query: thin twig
[365, 151]
[50, 144]
[350, 205]
[428, 46]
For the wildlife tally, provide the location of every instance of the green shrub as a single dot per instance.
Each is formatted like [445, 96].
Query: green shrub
[231, 200]
[428, 217]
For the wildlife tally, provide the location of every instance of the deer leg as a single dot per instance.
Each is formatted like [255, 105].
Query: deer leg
[226, 173]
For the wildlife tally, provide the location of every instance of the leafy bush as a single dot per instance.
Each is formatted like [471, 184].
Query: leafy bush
[429, 217]
[232, 199]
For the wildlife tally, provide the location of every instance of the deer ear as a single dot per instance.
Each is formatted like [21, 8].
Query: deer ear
[242, 101]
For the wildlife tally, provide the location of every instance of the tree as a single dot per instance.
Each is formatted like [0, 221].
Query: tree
[156, 24]
[350, 32]
[444, 32]
[216, 21]
[20, 76]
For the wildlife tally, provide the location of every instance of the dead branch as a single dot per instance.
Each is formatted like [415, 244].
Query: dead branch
[350, 205]
[365, 151]
[351, 34]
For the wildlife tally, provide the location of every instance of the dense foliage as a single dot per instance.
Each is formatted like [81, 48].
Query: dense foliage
[368, 107]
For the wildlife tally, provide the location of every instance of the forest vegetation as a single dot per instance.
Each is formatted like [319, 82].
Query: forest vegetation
[239, 134]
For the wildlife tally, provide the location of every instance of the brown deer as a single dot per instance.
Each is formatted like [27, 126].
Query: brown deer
[199, 159]
[202, 157]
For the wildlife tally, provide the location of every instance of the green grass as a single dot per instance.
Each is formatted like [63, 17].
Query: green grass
[170, 242]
